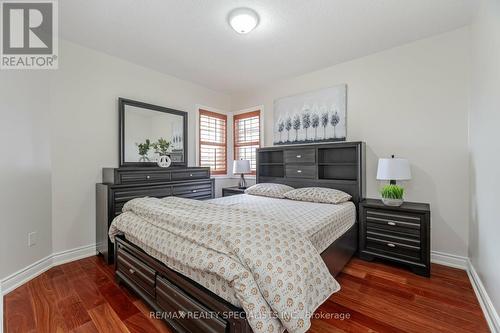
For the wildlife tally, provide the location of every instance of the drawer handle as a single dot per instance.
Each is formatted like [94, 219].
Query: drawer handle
[131, 271]
[391, 223]
[299, 171]
[391, 245]
[299, 156]
[147, 177]
[190, 175]
[194, 191]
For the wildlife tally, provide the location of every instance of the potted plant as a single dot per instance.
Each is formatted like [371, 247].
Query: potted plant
[143, 150]
[161, 148]
[392, 195]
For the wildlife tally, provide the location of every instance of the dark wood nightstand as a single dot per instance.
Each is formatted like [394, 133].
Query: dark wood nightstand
[398, 234]
[228, 191]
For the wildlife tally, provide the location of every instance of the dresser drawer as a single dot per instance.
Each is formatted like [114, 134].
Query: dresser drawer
[302, 171]
[190, 175]
[393, 248]
[121, 196]
[201, 190]
[172, 299]
[139, 273]
[300, 156]
[129, 177]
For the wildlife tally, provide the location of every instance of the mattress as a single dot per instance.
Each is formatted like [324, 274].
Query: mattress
[321, 223]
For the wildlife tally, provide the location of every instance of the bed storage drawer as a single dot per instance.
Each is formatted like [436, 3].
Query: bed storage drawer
[301, 171]
[172, 300]
[300, 156]
[135, 270]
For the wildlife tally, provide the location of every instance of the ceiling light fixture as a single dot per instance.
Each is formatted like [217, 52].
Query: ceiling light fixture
[243, 20]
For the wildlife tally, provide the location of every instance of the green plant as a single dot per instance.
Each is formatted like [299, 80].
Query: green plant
[161, 146]
[392, 192]
[144, 147]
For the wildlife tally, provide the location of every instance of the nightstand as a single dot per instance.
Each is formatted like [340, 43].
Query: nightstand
[397, 234]
[228, 191]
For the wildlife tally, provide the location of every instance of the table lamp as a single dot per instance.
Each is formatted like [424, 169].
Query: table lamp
[393, 169]
[241, 167]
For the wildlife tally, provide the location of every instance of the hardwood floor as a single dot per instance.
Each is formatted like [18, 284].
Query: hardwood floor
[82, 296]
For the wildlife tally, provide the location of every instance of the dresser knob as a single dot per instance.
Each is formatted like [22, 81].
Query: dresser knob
[391, 223]
[194, 191]
[147, 177]
[299, 156]
[190, 175]
[131, 271]
[391, 245]
[299, 171]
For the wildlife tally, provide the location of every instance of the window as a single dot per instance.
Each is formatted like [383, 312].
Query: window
[213, 143]
[247, 137]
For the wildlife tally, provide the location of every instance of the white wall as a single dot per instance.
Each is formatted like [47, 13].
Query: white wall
[411, 101]
[25, 190]
[484, 245]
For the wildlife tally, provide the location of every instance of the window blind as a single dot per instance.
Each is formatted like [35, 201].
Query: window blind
[247, 137]
[213, 143]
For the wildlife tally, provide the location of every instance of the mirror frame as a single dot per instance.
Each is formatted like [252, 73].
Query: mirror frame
[122, 102]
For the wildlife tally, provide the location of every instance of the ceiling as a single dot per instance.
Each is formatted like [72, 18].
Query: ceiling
[191, 39]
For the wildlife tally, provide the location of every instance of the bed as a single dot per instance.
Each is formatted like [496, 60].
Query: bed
[171, 288]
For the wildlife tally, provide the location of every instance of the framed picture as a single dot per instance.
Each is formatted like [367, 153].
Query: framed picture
[312, 117]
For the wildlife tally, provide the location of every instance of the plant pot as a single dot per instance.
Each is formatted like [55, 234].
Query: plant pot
[392, 202]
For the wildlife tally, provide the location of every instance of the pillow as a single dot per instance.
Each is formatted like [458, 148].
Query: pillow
[269, 190]
[318, 194]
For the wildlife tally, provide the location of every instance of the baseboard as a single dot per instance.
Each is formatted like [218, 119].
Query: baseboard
[22, 276]
[450, 260]
[484, 299]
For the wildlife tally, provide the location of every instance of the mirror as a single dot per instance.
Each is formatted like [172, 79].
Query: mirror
[148, 131]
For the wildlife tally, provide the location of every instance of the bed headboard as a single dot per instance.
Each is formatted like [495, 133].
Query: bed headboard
[338, 165]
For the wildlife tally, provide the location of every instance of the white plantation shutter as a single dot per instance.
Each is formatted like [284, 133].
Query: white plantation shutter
[213, 143]
[247, 137]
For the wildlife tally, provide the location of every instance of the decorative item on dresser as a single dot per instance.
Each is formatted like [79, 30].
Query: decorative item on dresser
[399, 234]
[123, 184]
[234, 190]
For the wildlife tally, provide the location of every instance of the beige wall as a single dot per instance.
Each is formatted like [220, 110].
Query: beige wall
[484, 244]
[411, 101]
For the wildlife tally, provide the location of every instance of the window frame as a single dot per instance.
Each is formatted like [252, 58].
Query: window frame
[204, 112]
[236, 117]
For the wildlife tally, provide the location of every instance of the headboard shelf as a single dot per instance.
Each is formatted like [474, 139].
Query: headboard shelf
[339, 165]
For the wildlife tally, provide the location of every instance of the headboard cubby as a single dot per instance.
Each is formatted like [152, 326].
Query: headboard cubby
[339, 165]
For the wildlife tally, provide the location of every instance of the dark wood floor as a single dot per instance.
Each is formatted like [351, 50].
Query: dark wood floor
[82, 296]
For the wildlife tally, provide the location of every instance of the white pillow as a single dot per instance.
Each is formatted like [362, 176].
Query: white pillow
[269, 190]
[318, 194]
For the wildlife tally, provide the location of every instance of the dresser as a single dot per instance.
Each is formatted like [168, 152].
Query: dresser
[123, 184]
[234, 190]
[398, 234]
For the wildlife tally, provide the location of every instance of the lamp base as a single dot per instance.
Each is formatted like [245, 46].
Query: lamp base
[242, 183]
[392, 202]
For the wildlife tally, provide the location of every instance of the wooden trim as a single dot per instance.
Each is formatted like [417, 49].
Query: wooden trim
[202, 112]
[244, 115]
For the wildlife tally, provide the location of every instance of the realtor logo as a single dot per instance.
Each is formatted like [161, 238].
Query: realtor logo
[29, 34]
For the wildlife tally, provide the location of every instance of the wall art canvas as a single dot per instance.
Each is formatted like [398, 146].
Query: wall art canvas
[317, 116]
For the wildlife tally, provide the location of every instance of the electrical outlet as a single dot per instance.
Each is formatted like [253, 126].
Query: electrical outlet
[32, 238]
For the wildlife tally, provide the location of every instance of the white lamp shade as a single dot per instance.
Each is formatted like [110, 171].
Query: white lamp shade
[241, 166]
[393, 169]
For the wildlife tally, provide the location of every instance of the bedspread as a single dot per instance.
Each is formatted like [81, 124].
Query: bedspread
[277, 275]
